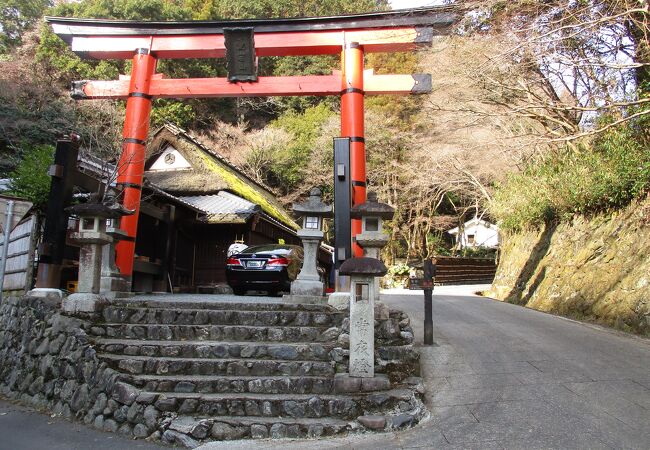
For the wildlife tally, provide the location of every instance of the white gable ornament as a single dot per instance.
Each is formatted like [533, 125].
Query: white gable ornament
[170, 159]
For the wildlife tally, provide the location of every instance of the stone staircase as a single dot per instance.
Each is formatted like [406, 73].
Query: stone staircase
[245, 370]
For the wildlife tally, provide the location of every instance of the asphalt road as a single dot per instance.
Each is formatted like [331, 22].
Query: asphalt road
[504, 376]
[24, 429]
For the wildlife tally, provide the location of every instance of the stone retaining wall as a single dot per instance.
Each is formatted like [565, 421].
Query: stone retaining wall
[595, 269]
[47, 362]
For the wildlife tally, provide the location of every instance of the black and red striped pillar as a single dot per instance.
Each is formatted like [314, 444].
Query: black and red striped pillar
[352, 126]
[130, 169]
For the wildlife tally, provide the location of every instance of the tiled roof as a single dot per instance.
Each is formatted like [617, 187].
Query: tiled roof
[223, 207]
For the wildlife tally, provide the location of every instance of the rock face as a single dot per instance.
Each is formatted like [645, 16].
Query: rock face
[191, 372]
[594, 269]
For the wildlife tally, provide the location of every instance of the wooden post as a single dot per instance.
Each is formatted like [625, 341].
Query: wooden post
[56, 218]
[428, 302]
[167, 256]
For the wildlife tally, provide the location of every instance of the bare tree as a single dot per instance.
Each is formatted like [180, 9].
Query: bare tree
[567, 63]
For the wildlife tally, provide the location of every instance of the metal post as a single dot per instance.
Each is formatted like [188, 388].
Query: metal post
[5, 248]
[342, 204]
[342, 201]
[352, 126]
[131, 164]
[428, 302]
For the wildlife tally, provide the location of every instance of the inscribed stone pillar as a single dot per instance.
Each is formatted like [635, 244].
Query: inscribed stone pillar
[362, 327]
[363, 290]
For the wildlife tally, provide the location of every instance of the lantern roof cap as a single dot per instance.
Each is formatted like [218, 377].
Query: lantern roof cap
[363, 266]
[114, 211]
[372, 208]
[314, 206]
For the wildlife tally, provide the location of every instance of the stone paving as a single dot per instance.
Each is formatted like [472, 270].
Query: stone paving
[207, 298]
[503, 376]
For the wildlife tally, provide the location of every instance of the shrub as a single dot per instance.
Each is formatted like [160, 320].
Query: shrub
[479, 252]
[396, 276]
[608, 174]
[30, 179]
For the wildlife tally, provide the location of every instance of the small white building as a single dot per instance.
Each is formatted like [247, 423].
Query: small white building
[476, 233]
[5, 184]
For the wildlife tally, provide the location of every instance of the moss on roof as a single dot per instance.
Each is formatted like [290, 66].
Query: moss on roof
[248, 191]
[187, 182]
[210, 173]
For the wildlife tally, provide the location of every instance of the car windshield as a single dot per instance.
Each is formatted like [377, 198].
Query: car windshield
[275, 249]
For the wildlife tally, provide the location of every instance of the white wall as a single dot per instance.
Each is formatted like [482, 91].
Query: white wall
[484, 236]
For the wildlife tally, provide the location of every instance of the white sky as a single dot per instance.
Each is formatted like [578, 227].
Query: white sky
[401, 4]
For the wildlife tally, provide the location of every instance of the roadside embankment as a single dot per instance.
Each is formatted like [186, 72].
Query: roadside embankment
[595, 269]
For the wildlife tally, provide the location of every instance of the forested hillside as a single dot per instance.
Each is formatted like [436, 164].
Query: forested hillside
[539, 110]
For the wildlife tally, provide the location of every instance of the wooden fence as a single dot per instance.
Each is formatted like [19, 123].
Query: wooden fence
[20, 257]
[456, 270]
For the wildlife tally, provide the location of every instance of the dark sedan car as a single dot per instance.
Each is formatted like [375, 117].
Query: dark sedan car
[270, 268]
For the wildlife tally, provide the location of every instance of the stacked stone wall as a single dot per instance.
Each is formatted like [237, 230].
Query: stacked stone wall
[48, 362]
[595, 269]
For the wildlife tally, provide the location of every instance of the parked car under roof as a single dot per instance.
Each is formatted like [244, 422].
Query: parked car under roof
[270, 267]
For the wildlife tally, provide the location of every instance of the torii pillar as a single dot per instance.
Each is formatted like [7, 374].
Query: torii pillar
[130, 171]
[352, 126]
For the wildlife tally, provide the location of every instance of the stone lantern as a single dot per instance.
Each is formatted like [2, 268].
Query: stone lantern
[372, 214]
[113, 284]
[92, 236]
[363, 273]
[308, 287]
[364, 276]
[372, 239]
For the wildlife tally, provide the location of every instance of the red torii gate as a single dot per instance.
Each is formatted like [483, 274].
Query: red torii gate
[146, 42]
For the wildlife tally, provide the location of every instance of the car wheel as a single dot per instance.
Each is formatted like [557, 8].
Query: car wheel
[239, 291]
[274, 293]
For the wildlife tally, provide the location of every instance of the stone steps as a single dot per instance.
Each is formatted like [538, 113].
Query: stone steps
[231, 427]
[213, 384]
[211, 349]
[344, 407]
[225, 370]
[257, 305]
[218, 316]
[213, 332]
[203, 366]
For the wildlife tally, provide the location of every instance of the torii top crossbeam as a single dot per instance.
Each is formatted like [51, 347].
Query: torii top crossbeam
[241, 41]
[399, 30]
